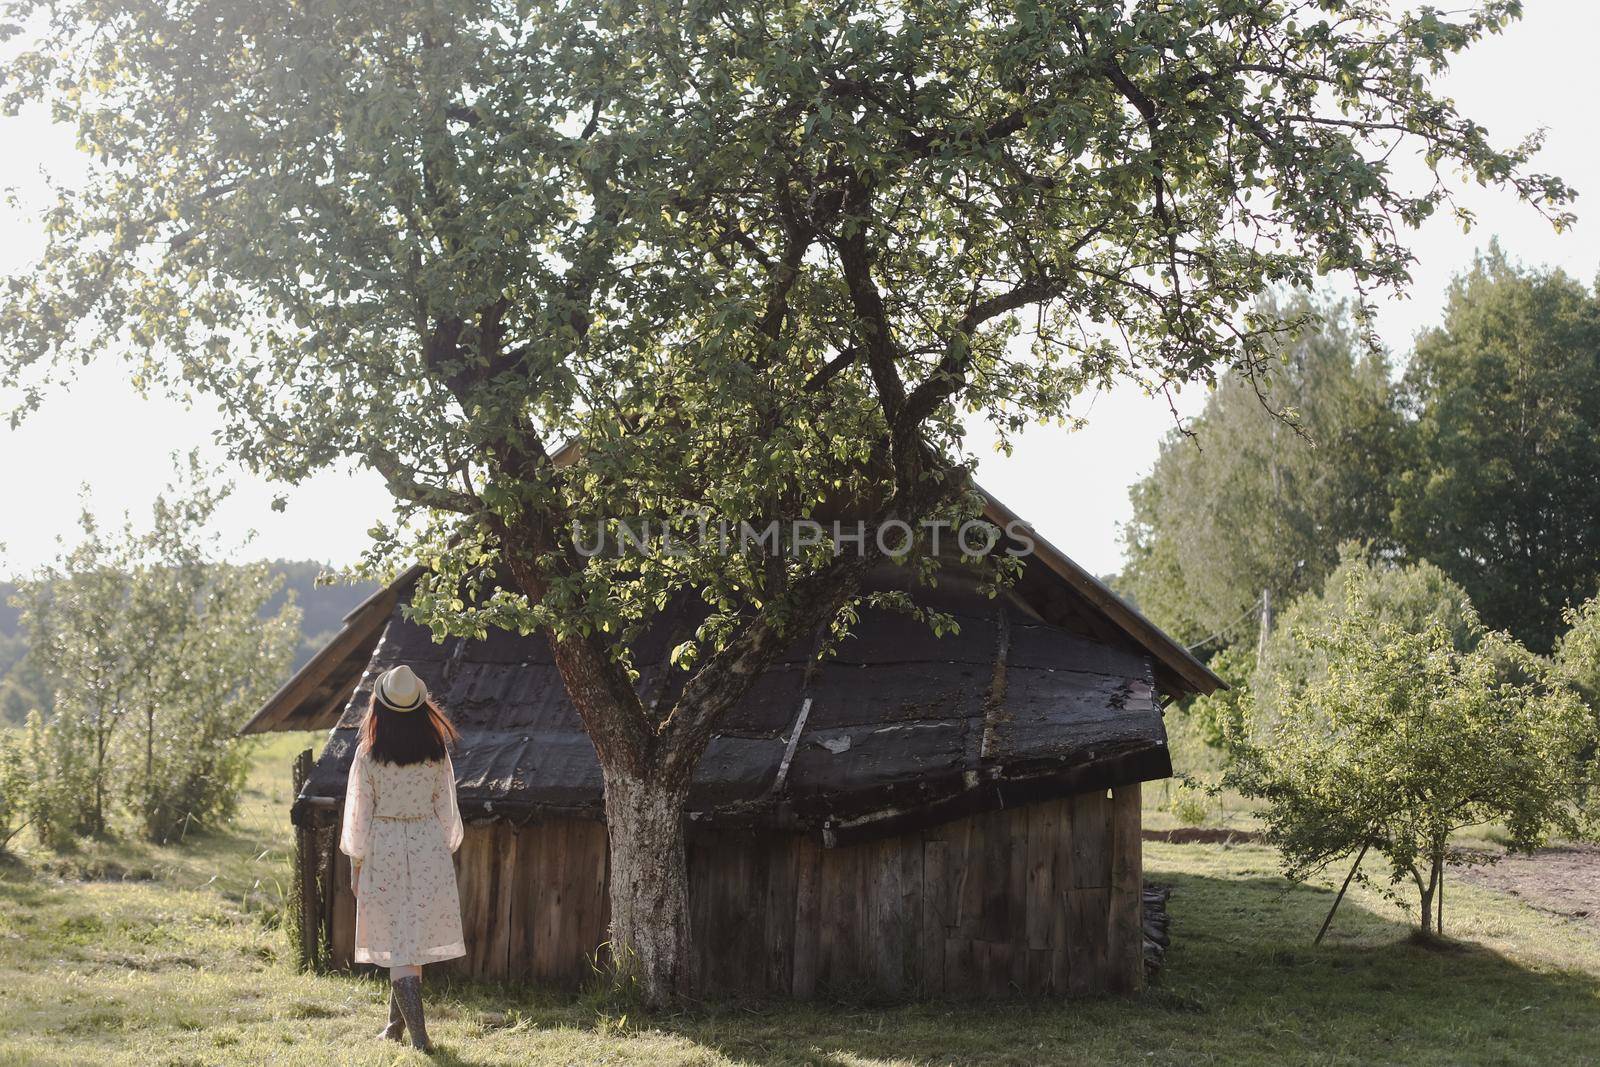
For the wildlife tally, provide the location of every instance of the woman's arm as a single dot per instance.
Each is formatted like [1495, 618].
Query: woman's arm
[444, 804]
[359, 799]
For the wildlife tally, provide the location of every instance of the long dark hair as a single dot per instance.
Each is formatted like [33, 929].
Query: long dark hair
[402, 737]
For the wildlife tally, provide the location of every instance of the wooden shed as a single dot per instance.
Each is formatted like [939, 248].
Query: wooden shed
[912, 816]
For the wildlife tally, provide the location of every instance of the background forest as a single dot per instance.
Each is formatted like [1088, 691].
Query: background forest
[1396, 571]
[1478, 456]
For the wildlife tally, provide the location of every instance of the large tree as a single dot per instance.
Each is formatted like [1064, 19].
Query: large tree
[754, 255]
[1414, 597]
[1503, 494]
[1257, 493]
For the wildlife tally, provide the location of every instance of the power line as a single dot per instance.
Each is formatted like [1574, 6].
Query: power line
[1257, 605]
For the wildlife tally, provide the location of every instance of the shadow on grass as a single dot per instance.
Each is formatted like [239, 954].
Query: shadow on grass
[1243, 984]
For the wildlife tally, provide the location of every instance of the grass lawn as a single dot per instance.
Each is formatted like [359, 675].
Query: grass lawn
[129, 954]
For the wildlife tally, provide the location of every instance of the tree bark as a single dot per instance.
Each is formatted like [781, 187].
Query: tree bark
[650, 933]
[1428, 896]
[100, 743]
[1438, 924]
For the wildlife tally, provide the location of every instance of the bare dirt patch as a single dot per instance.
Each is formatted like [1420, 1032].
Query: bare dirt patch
[1563, 880]
[1202, 835]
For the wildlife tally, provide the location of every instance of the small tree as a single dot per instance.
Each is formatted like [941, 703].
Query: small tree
[1404, 739]
[59, 778]
[91, 633]
[1577, 658]
[226, 657]
[154, 650]
[1578, 651]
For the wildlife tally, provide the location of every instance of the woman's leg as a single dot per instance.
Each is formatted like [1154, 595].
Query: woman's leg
[396, 1029]
[406, 984]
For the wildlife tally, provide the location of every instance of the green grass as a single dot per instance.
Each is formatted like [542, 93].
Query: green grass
[133, 954]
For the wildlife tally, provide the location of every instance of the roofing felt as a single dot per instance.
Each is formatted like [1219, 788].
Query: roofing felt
[897, 726]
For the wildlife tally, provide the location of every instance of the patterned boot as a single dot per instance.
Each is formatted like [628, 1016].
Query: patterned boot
[408, 991]
[396, 1029]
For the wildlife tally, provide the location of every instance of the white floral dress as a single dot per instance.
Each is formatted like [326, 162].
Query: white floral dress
[401, 823]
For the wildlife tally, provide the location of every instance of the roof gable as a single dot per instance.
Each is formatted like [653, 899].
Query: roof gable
[1053, 588]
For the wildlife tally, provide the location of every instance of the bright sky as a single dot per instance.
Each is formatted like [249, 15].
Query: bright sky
[1071, 486]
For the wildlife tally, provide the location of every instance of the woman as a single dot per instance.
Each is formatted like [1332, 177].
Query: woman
[400, 826]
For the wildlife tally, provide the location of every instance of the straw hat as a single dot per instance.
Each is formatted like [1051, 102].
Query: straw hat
[399, 689]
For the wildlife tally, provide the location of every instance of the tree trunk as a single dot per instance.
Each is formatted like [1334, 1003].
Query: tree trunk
[648, 761]
[1438, 924]
[149, 754]
[99, 785]
[650, 933]
[1427, 896]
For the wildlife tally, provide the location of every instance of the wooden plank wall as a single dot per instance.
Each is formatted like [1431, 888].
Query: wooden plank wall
[533, 900]
[1039, 900]
[342, 909]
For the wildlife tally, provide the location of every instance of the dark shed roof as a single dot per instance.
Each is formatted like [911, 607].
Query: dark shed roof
[1052, 588]
[897, 727]
[1051, 690]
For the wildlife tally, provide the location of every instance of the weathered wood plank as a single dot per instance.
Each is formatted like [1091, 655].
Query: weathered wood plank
[307, 862]
[566, 910]
[885, 937]
[807, 919]
[504, 871]
[910, 917]
[1091, 841]
[540, 943]
[343, 942]
[755, 870]
[526, 932]
[966, 868]
[702, 886]
[1060, 903]
[590, 892]
[842, 894]
[1125, 948]
[473, 881]
[557, 930]
[1043, 839]
[1086, 939]
[993, 854]
[1016, 939]
[935, 914]
[779, 915]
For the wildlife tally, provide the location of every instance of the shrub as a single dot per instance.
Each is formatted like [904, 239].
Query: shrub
[58, 796]
[13, 788]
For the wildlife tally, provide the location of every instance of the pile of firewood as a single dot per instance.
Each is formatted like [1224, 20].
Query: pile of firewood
[1156, 923]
